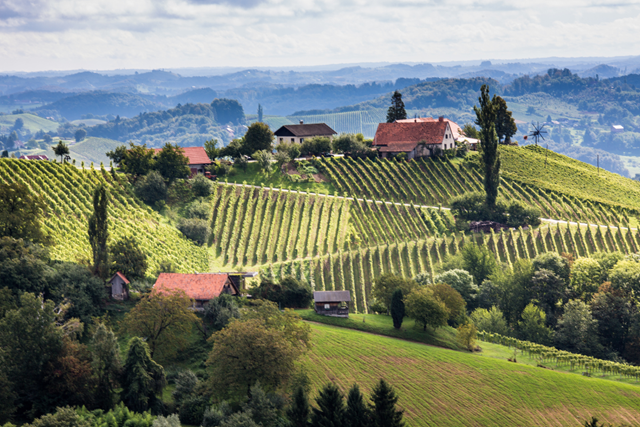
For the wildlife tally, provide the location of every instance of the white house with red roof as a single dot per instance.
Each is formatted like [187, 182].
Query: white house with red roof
[415, 137]
[198, 158]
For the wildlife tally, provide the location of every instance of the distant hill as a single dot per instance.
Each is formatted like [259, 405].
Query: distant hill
[100, 103]
[31, 121]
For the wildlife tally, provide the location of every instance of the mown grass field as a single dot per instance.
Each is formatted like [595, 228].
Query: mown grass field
[31, 121]
[440, 387]
[278, 179]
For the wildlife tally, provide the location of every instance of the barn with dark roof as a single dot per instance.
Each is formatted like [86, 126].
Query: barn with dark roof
[416, 138]
[298, 133]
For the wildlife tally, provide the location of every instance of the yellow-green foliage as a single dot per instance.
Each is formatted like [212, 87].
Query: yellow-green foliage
[68, 193]
[439, 387]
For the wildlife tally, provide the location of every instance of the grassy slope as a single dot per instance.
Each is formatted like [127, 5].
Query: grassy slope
[448, 388]
[32, 122]
[277, 179]
[89, 150]
[566, 175]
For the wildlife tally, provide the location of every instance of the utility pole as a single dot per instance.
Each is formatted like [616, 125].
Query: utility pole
[598, 163]
[546, 154]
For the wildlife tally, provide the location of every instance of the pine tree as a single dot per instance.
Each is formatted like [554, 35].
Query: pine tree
[298, 413]
[358, 414]
[383, 408]
[396, 111]
[486, 119]
[143, 379]
[330, 411]
[99, 232]
[397, 308]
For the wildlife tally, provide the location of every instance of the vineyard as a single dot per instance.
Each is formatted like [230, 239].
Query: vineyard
[68, 192]
[437, 181]
[254, 226]
[356, 269]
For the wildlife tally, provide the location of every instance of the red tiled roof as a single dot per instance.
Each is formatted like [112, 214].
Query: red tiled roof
[408, 134]
[203, 286]
[455, 129]
[196, 155]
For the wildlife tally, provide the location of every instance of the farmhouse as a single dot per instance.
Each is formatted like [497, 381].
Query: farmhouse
[203, 287]
[332, 303]
[298, 133]
[198, 158]
[415, 137]
[118, 284]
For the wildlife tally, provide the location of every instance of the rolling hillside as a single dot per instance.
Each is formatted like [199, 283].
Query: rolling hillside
[439, 387]
[68, 193]
[32, 122]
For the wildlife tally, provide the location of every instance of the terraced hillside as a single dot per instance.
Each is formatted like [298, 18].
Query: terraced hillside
[439, 387]
[437, 181]
[68, 193]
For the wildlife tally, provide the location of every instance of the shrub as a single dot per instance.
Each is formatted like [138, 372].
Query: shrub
[151, 188]
[520, 214]
[201, 186]
[467, 335]
[170, 421]
[290, 292]
[198, 209]
[192, 410]
[195, 229]
[315, 146]
[492, 320]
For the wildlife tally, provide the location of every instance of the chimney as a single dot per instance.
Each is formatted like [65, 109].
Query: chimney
[415, 120]
[301, 122]
[441, 119]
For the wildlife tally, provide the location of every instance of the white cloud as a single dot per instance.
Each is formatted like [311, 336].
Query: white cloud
[108, 34]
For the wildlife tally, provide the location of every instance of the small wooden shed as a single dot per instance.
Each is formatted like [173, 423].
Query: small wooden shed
[332, 303]
[118, 285]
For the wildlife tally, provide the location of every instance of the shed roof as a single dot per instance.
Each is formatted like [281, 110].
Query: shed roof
[121, 276]
[199, 286]
[456, 130]
[332, 296]
[311, 129]
[196, 155]
[404, 136]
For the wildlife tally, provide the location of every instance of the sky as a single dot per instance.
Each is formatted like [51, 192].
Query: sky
[111, 34]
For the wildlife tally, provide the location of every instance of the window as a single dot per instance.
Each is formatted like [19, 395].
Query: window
[327, 306]
[281, 139]
[293, 140]
[301, 140]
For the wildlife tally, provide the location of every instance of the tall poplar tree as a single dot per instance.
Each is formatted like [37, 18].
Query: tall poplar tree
[396, 111]
[486, 119]
[99, 232]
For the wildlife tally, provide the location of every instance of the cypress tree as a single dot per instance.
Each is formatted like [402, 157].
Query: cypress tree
[383, 408]
[142, 380]
[358, 415]
[99, 232]
[486, 119]
[298, 413]
[330, 411]
[260, 113]
[396, 111]
[397, 308]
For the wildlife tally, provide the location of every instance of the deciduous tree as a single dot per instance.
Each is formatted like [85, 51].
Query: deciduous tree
[142, 379]
[533, 326]
[106, 365]
[426, 309]
[127, 257]
[258, 137]
[61, 150]
[21, 213]
[387, 283]
[138, 160]
[172, 163]
[163, 319]
[80, 134]
[505, 124]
